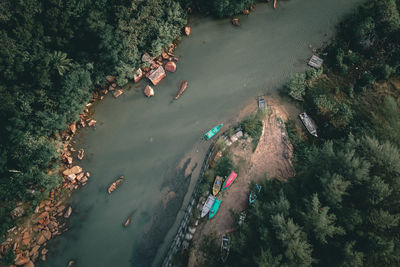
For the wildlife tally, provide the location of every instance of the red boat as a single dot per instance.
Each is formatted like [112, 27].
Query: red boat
[229, 181]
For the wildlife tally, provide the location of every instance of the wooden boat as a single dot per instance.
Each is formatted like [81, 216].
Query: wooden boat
[115, 184]
[213, 131]
[207, 205]
[217, 185]
[214, 208]
[229, 181]
[254, 194]
[308, 123]
[225, 245]
[182, 89]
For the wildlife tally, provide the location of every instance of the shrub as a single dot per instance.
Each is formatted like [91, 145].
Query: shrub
[383, 72]
[296, 86]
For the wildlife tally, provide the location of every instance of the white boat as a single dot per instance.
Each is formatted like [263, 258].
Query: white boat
[207, 206]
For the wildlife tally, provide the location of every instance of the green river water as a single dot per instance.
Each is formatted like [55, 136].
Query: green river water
[145, 139]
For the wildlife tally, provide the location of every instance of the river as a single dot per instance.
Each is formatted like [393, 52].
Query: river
[146, 139]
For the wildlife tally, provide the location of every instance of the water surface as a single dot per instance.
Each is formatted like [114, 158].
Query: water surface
[145, 139]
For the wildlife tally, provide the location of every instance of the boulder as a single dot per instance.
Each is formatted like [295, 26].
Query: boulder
[68, 212]
[246, 11]
[81, 154]
[164, 55]
[156, 75]
[148, 91]
[72, 127]
[147, 58]
[170, 66]
[44, 251]
[137, 76]
[29, 264]
[21, 260]
[93, 122]
[71, 263]
[47, 234]
[79, 176]
[71, 177]
[187, 30]
[235, 22]
[34, 250]
[110, 79]
[87, 174]
[117, 93]
[17, 212]
[40, 239]
[69, 160]
[84, 179]
[73, 170]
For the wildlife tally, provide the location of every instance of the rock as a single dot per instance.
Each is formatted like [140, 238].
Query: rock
[71, 263]
[147, 58]
[61, 208]
[17, 212]
[137, 76]
[40, 239]
[187, 30]
[246, 11]
[81, 154]
[170, 66]
[79, 176]
[93, 122]
[156, 75]
[34, 250]
[188, 236]
[25, 242]
[235, 22]
[192, 230]
[29, 264]
[148, 91]
[87, 174]
[46, 234]
[110, 79]
[43, 257]
[44, 251]
[73, 170]
[118, 93]
[69, 160]
[72, 127]
[110, 88]
[68, 212]
[84, 179]
[71, 177]
[21, 260]
[164, 55]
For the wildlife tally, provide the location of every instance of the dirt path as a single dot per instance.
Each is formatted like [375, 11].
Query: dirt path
[270, 159]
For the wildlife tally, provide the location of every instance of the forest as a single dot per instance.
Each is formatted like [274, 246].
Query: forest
[53, 54]
[343, 206]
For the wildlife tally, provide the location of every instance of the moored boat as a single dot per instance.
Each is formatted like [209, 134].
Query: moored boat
[115, 184]
[225, 245]
[308, 123]
[254, 194]
[214, 208]
[229, 180]
[217, 185]
[213, 131]
[207, 205]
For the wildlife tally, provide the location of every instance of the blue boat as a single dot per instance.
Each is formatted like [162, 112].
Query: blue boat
[214, 208]
[253, 195]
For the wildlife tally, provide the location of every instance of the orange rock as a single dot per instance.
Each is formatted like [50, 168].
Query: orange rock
[29, 264]
[246, 11]
[170, 66]
[73, 170]
[137, 76]
[25, 242]
[164, 55]
[40, 239]
[93, 122]
[72, 127]
[47, 234]
[156, 75]
[148, 91]
[21, 260]
[187, 30]
[68, 212]
[118, 93]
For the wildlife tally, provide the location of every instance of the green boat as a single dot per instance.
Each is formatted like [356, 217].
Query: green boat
[214, 208]
[213, 131]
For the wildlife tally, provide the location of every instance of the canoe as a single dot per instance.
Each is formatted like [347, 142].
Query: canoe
[214, 208]
[115, 184]
[213, 131]
[229, 181]
[225, 244]
[254, 194]
[208, 205]
[308, 123]
[217, 185]
[182, 89]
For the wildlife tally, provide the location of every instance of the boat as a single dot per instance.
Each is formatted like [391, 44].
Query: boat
[213, 131]
[261, 103]
[225, 244]
[217, 185]
[207, 205]
[115, 184]
[254, 194]
[308, 123]
[128, 221]
[229, 181]
[182, 89]
[214, 208]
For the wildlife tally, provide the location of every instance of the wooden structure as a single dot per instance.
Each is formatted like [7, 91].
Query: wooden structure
[315, 62]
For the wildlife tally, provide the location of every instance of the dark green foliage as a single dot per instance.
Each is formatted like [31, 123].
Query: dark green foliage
[224, 166]
[296, 86]
[223, 8]
[383, 72]
[253, 127]
[8, 258]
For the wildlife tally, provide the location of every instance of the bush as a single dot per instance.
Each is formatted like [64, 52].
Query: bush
[296, 86]
[365, 80]
[224, 166]
[383, 72]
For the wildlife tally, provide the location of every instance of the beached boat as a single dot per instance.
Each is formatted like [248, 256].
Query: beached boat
[217, 185]
[213, 131]
[182, 88]
[229, 181]
[225, 245]
[254, 194]
[115, 184]
[261, 103]
[207, 206]
[308, 123]
[214, 208]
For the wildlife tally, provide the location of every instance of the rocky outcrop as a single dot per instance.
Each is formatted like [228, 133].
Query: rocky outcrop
[156, 75]
[170, 66]
[137, 76]
[148, 91]
[74, 170]
[117, 93]
[187, 30]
